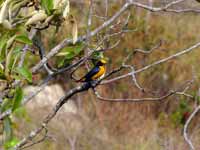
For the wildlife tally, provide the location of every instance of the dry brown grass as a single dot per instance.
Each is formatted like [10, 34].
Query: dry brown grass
[140, 133]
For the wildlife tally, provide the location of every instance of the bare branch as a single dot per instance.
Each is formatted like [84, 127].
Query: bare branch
[66, 42]
[185, 129]
[27, 98]
[38, 141]
[185, 51]
[26, 47]
[133, 77]
[125, 7]
[52, 114]
[160, 98]
[156, 9]
[134, 99]
[159, 44]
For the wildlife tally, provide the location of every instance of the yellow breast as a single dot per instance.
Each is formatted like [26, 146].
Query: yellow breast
[101, 72]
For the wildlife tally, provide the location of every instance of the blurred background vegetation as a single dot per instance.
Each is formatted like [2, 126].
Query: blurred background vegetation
[100, 125]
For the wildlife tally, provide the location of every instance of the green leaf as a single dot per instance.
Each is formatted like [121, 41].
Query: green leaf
[3, 41]
[47, 5]
[3, 46]
[67, 55]
[17, 98]
[16, 55]
[7, 126]
[60, 63]
[63, 62]
[11, 143]
[71, 51]
[11, 60]
[74, 48]
[8, 62]
[7, 104]
[23, 71]
[10, 41]
[78, 49]
[3, 53]
[1, 68]
[23, 39]
[20, 113]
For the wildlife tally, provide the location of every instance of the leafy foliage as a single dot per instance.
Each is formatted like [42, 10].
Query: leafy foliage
[11, 143]
[24, 72]
[47, 5]
[17, 98]
[24, 39]
[68, 53]
[16, 48]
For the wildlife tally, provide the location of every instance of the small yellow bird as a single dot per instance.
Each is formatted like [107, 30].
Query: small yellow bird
[95, 73]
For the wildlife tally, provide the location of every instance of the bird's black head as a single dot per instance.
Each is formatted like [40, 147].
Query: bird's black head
[101, 62]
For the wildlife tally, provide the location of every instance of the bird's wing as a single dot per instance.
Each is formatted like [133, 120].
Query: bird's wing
[91, 73]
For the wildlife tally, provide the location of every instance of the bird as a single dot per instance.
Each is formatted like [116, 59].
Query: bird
[95, 73]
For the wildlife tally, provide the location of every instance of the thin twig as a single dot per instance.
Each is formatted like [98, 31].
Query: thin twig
[54, 111]
[185, 51]
[125, 7]
[185, 129]
[170, 93]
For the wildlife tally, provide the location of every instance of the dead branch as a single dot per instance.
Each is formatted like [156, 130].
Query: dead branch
[185, 129]
[54, 111]
[125, 7]
[185, 51]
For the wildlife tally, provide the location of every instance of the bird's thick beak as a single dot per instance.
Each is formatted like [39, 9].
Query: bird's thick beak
[103, 61]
